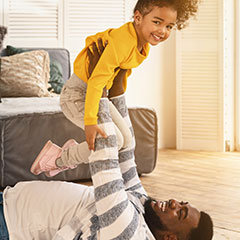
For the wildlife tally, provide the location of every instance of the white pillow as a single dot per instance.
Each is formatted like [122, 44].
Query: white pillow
[25, 75]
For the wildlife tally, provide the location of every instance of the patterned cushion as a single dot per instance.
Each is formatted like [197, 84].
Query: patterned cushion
[25, 75]
[56, 72]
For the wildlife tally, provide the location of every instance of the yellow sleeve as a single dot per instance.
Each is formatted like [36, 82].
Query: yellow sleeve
[102, 76]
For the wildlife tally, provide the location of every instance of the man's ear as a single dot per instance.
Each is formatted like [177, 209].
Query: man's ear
[137, 17]
[169, 236]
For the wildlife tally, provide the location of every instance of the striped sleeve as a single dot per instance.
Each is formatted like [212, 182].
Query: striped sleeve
[118, 218]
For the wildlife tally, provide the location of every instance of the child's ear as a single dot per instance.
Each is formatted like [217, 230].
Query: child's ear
[137, 17]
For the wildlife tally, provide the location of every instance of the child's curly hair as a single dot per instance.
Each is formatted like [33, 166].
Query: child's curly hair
[185, 9]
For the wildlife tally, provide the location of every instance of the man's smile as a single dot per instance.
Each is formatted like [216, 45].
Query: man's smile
[163, 206]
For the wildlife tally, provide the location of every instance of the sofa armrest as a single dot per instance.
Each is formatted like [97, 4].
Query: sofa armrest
[144, 121]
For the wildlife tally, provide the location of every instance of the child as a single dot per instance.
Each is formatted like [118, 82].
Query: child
[126, 48]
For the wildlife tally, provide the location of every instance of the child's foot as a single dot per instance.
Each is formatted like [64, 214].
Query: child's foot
[55, 171]
[46, 159]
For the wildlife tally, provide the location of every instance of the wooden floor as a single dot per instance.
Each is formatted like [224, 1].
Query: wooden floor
[209, 181]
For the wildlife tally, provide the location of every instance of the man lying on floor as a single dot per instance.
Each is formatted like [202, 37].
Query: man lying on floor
[115, 207]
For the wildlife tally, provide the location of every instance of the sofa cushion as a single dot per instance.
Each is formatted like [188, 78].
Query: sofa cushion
[56, 72]
[25, 75]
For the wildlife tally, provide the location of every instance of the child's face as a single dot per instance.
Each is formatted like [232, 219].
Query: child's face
[156, 26]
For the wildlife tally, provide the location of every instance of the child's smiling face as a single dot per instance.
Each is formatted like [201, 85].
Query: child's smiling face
[156, 26]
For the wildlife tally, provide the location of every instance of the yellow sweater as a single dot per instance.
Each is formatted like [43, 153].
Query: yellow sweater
[121, 51]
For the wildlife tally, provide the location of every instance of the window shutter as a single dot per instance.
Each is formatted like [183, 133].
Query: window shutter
[1, 11]
[87, 17]
[33, 23]
[229, 74]
[200, 81]
[237, 70]
[59, 23]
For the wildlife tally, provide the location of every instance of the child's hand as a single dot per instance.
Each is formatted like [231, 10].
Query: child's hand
[91, 132]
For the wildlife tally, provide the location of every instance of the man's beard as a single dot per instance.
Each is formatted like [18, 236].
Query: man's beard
[152, 219]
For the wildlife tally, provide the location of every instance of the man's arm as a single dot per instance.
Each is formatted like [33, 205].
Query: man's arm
[118, 218]
[117, 215]
[126, 156]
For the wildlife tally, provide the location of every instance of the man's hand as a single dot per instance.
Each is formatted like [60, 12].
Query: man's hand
[117, 86]
[91, 132]
[95, 54]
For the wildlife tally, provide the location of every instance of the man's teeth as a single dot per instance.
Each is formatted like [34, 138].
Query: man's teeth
[162, 206]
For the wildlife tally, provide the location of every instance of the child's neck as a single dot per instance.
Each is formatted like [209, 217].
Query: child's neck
[139, 43]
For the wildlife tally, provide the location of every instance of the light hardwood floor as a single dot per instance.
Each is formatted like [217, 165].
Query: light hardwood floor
[210, 181]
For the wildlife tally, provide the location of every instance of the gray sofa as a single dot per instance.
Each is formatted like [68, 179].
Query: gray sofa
[27, 123]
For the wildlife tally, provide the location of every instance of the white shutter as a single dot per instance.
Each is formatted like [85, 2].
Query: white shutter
[229, 74]
[237, 76]
[200, 82]
[1, 12]
[33, 23]
[87, 17]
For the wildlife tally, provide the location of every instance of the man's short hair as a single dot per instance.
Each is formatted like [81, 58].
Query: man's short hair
[204, 230]
[151, 218]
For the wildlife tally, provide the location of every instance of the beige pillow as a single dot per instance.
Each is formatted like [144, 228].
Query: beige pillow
[25, 75]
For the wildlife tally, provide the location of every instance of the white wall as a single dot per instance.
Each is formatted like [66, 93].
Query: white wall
[153, 84]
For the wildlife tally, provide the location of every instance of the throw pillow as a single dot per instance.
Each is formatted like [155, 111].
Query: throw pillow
[25, 75]
[12, 50]
[56, 73]
[56, 76]
[3, 32]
